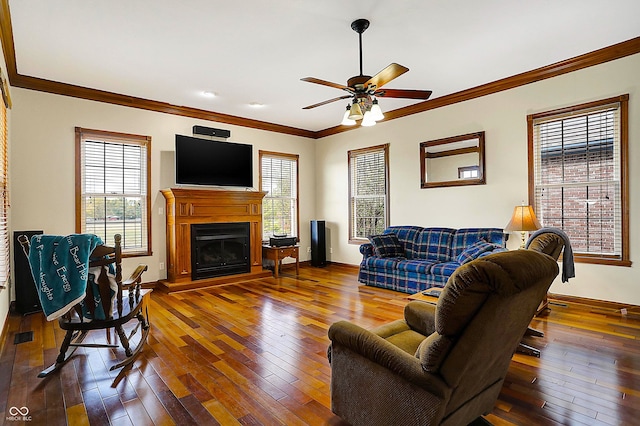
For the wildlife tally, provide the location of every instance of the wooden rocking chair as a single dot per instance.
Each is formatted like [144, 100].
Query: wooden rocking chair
[129, 305]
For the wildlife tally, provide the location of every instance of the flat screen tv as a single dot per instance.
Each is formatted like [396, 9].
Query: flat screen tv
[207, 162]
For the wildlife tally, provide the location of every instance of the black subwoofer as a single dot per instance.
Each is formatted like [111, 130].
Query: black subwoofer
[27, 300]
[318, 243]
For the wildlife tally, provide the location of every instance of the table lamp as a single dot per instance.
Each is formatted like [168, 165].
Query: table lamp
[523, 220]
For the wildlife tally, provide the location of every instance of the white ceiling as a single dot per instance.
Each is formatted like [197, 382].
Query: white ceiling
[257, 51]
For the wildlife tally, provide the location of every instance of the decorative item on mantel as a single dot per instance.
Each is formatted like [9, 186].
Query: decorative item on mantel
[523, 220]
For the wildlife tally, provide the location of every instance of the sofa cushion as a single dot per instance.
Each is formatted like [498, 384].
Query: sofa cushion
[386, 245]
[418, 266]
[407, 235]
[382, 263]
[434, 244]
[445, 268]
[464, 237]
[474, 251]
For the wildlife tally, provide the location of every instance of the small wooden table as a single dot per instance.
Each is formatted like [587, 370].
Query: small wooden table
[430, 296]
[278, 253]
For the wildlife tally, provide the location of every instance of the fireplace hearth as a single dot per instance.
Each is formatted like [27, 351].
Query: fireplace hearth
[219, 249]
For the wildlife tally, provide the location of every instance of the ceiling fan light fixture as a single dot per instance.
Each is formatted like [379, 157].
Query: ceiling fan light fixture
[346, 121]
[376, 111]
[356, 112]
[368, 120]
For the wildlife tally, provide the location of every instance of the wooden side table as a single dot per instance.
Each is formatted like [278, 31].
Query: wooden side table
[430, 296]
[278, 253]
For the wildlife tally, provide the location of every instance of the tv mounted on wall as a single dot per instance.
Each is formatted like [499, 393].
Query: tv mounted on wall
[206, 162]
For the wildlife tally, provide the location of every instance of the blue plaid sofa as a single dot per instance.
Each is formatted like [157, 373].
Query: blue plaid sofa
[412, 258]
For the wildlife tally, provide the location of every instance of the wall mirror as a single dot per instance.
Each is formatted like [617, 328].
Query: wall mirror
[454, 161]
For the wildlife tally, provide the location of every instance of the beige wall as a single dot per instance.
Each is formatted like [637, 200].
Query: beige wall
[43, 150]
[42, 167]
[503, 117]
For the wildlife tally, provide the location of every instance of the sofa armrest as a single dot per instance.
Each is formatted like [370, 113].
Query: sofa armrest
[389, 356]
[367, 250]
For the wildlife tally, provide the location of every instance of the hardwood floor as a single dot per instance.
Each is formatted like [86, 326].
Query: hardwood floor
[255, 353]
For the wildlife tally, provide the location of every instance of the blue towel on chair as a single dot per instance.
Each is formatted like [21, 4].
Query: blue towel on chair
[60, 268]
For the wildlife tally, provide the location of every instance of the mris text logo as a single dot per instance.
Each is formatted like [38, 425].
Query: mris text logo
[19, 414]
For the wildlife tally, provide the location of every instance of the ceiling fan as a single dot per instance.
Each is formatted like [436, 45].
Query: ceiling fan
[364, 89]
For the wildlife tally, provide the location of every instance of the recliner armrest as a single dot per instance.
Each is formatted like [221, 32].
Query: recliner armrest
[378, 350]
[421, 316]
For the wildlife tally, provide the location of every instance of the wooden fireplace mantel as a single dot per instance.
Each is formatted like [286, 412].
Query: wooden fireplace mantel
[195, 206]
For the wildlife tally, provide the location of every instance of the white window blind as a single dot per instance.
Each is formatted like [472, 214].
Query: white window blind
[4, 202]
[578, 179]
[114, 195]
[279, 178]
[368, 191]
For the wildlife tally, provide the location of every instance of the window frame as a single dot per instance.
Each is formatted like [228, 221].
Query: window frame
[595, 258]
[124, 139]
[353, 154]
[291, 157]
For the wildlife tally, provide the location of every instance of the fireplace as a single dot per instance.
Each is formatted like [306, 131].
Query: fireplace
[219, 249]
[187, 207]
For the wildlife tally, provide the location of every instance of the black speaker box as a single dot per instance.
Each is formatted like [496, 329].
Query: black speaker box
[318, 244]
[27, 300]
[210, 131]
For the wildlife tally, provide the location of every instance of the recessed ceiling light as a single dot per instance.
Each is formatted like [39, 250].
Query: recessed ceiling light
[209, 94]
[256, 104]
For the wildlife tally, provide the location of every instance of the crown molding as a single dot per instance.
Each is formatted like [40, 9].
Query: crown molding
[597, 57]
[600, 56]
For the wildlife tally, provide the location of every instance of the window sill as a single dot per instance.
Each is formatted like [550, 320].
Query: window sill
[596, 260]
[358, 241]
[136, 254]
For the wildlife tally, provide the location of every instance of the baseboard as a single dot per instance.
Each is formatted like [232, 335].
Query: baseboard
[592, 302]
[604, 305]
[341, 265]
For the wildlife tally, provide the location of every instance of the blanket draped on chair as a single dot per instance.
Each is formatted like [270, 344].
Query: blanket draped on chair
[60, 269]
[568, 267]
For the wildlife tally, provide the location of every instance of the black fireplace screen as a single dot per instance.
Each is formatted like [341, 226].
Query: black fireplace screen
[219, 249]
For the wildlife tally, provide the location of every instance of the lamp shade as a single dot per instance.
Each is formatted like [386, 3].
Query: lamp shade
[346, 121]
[368, 120]
[356, 112]
[523, 219]
[376, 111]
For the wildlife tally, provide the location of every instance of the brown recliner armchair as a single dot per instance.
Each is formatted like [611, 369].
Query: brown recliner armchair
[442, 364]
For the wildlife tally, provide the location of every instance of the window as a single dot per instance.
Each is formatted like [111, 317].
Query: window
[112, 188]
[368, 192]
[4, 191]
[578, 177]
[279, 178]
[468, 172]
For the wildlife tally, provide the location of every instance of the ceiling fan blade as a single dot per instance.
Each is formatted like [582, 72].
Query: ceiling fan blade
[327, 102]
[325, 83]
[386, 75]
[402, 93]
